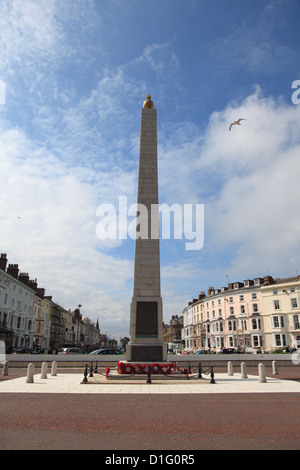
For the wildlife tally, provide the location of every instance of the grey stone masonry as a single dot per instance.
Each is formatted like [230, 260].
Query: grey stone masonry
[146, 336]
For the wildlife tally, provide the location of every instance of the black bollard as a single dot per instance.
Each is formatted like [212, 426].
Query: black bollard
[190, 369]
[212, 380]
[96, 368]
[91, 370]
[85, 374]
[149, 375]
[199, 371]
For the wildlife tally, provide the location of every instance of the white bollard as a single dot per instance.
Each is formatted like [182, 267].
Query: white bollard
[30, 374]
[44, 370]
[229, 368]
[5, 368]
[243, 371]
[261, 373]
[54, 369]
[274, 368]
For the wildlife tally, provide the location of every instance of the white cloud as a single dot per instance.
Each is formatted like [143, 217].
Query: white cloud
[256, 167]
[248, 180]
[55, 238]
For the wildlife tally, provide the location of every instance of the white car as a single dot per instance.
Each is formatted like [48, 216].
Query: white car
[69, 351]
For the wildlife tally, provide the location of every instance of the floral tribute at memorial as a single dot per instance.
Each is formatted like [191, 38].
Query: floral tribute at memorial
[155, 368]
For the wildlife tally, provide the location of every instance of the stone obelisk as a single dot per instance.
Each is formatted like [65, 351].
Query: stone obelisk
[146, 335]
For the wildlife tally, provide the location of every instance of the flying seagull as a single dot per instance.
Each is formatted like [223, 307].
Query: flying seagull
[238, 122]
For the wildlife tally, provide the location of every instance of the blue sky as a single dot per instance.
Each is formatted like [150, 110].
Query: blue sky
[75, 74]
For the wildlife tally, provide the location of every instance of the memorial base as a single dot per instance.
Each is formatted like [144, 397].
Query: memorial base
[146, 352]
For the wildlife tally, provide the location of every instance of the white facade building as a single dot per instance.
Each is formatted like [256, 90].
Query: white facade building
[281, 310]
[16, 309]
[187, 327]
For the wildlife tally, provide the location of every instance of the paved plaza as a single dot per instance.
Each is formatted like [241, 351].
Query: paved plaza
[72, 383]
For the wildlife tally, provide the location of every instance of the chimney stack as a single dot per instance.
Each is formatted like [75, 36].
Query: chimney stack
[3, 261]
[268, 280]
[201, 296]
[33, 284]
[13, 270]
[40, 292]
[24, 278]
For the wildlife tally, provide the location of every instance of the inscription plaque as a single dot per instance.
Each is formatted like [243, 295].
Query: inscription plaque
[146, 319]
[147, 354]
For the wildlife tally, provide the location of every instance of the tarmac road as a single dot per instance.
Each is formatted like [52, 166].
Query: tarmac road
[152, 422]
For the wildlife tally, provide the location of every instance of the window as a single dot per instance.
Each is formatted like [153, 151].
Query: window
[278, 321]
[254, 308]
[231, 300]
[231, 311]
[276, 305]
[296, 322]
[244, 325]
[256, 324]
[257, 341]
[294, 303]
[275, 291]
[242, 309]
[254, 296]
[220, 312]
[241, 298]
[219, 301]
[280, 340]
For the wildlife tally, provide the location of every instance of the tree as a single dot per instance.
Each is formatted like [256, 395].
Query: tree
[124, 341]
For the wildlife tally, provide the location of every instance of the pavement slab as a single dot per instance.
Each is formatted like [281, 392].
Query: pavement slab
[72, 383]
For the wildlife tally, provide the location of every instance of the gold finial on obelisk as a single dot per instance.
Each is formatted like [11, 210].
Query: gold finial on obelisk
[148, 103]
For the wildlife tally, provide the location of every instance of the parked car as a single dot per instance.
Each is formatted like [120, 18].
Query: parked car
[202, 351]
[69, 351]
[26, 351]
[106, 351]
[231, 351]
